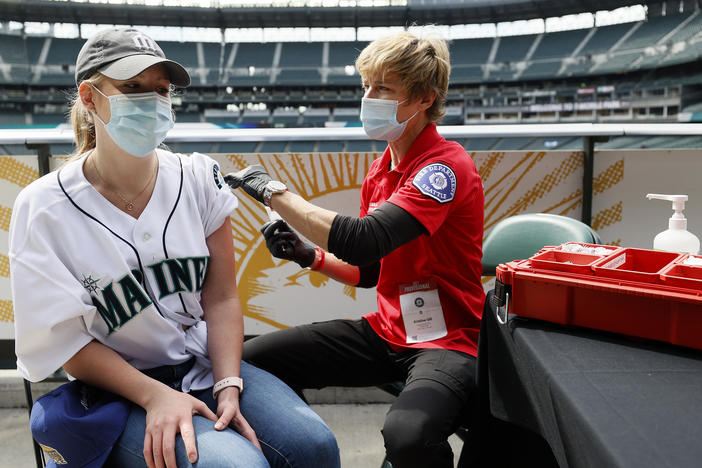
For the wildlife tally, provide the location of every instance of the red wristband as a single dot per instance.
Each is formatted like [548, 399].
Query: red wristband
[318, 259]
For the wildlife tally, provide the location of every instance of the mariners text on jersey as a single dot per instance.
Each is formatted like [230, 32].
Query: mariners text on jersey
[123, 299]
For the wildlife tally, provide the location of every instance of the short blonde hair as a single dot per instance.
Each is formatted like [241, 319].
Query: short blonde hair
[422, 65]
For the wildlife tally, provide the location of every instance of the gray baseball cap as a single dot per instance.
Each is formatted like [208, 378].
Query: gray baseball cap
[123, 53]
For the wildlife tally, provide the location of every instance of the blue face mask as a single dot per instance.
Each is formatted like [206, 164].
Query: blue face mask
[379, 119]
[138, 122]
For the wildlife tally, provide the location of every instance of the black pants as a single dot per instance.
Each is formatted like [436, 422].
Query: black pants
[436, 400]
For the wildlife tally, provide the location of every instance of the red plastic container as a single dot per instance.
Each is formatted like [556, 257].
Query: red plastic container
[635, 265]
[565, 261]
[685, 276]
[645, 310]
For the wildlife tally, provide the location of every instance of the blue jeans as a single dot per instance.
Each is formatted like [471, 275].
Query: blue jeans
[290, 433]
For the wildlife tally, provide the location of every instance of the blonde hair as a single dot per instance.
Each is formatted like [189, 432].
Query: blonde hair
[422, 65]
[82, 120]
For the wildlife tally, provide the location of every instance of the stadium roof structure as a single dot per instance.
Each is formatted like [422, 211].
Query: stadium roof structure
[442, 12]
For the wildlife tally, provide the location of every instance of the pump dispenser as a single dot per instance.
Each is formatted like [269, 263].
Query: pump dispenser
[676, 238]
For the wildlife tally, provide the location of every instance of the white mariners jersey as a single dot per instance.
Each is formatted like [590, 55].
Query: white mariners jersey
[81, 269]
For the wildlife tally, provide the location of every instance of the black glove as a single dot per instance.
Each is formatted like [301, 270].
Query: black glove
[253, 180]
[283, 242]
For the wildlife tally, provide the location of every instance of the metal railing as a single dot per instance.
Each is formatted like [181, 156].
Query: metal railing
[41, 139]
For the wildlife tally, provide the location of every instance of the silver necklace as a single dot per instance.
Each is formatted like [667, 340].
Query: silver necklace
[128, 205]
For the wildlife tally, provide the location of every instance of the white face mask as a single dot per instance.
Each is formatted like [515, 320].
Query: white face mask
[138, 122]
[379, 118]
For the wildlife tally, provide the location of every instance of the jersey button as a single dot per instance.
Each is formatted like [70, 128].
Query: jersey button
[147, 236]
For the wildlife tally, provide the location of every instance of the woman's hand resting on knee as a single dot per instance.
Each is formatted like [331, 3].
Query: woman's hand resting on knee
[230, 415]
[168, 413]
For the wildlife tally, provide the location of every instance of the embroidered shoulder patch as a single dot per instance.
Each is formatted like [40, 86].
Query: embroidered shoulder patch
[436, 181]
[217, 176]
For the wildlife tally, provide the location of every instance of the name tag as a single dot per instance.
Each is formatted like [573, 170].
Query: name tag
[421, 312]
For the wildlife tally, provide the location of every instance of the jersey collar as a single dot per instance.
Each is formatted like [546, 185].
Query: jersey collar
[427, 139]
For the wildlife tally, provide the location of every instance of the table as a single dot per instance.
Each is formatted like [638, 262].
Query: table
[599, 399]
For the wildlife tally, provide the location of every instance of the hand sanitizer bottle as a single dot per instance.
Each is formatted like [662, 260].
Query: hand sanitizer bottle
[676, 238]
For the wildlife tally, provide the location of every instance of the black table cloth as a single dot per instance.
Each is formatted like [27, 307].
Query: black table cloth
[598, 399]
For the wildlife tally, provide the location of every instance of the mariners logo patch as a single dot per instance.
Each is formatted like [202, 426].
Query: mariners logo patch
[54, 455]
[436, 181]
[217, 176]
[90, 284]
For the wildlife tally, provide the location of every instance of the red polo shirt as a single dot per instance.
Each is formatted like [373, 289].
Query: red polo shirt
[438, 184]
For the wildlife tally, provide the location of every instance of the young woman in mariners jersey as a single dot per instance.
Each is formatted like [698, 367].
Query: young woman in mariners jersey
[123, 273]
[418, 239]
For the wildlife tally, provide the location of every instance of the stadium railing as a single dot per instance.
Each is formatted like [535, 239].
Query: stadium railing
[42, 139]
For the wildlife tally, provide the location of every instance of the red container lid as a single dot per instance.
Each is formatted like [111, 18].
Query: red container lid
[565, 261]
[684, 276]
[636, 265]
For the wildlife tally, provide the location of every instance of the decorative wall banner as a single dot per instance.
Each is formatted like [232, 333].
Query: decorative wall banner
[277, 294]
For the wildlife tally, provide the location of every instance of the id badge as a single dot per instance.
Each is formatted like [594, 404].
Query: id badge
[422, 312]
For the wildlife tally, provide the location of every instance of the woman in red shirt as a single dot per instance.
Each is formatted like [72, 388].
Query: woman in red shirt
[417, 239]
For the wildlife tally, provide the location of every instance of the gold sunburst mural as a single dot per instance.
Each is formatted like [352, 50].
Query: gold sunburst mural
[539, 181]
[276, 294]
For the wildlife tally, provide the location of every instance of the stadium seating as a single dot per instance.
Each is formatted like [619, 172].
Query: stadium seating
[301, 146]
[517, 143]
[316, 117]
[63, 51]
[360, 146]
[347, 114]
[301, 54]
[541, 69]
[48, 119]
[255, 116]
[212, 54]
[11, 117]
[604, 50]
[559, 44]
[480, 144]
[344, 53]
[254, 55]
[188, 117]
[298, 77]
[15, 150]
[330, 146]
[273, 147]
[237, 147]
[12, 49]
[470, 51]
[184, 53]
[514, 48]
[34, 46]
[617, 63]
[287, 117]
[650, 32]
[466, 74]
[687, 30]
[605, 38]
[486, 73]
[342, 78]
